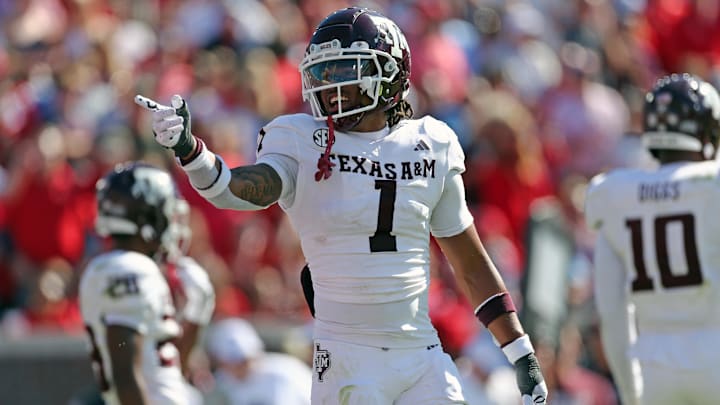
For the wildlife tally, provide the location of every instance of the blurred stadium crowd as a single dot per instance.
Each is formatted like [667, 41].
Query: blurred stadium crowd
[543, 94]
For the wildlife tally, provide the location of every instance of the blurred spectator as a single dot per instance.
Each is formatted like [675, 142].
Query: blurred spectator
[525, 59]
[507, 170]
[488, 377]
[49, 306]
[676, 32]
[246, 374]
[581, 119]
[570, 383]
[49, 210]
[557, 279]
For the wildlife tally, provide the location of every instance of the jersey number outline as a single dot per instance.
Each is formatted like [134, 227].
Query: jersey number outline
[383, 240]
[668, 279]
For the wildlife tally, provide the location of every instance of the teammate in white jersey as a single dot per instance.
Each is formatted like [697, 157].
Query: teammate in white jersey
[192, 291]
[657, 259]
[365, 186]
[124, 297]
[195, 303]
[246, 374]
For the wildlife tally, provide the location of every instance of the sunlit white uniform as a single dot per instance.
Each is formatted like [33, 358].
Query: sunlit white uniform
[365, 234]
[127, 288]
[657, 256]
[199, 293]
[276, 378]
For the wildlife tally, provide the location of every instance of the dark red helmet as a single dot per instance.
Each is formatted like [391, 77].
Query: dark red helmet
[682, 112]
[356, 47]
[139, 199]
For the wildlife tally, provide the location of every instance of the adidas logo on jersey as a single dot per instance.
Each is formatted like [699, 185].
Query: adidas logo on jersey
[421, 146]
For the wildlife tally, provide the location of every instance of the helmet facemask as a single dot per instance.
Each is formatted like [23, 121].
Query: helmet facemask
[328, 66]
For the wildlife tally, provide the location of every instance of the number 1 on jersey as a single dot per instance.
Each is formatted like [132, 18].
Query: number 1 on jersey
[383, 240]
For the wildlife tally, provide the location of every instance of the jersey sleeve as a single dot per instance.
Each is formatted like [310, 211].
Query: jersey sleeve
[278, 148]
[451, 215]
[456, 156]
[616, 322]
[199, 292]
[441, 132]
[127, 300]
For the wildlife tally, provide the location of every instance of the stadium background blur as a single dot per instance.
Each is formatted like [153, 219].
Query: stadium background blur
[542, 93]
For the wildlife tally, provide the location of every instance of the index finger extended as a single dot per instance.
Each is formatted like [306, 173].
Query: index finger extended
[147, 103]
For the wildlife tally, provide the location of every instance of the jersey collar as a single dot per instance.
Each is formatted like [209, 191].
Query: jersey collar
[372, 136]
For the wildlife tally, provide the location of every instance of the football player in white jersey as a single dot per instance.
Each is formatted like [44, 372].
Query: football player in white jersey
[194, 301]
[124, 297]
[365, 186]
[657, 259]
[246, 374]
[192, 291]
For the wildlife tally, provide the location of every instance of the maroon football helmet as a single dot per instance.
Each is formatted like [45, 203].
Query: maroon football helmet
[682, 112]
[356, 47]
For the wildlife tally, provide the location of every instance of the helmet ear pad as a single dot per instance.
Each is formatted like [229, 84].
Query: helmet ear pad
[147, 233]
[390, 94]
[708, 151]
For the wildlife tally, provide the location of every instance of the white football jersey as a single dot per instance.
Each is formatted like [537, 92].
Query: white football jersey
[662, 227]
[365, 230]
[274, 378]
[128, 289]
[199, 292]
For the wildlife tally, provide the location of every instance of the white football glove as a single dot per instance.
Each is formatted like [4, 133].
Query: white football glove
[171, 125]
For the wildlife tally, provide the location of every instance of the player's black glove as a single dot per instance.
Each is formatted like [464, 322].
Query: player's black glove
[529, 377]
[171, 125]
[530, 380]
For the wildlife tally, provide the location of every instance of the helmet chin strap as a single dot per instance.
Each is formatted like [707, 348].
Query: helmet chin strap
[349, 122]
[324, 164]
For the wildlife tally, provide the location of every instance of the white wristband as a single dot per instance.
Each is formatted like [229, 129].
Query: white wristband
[220, 184]
[202, 161]
[518, 348]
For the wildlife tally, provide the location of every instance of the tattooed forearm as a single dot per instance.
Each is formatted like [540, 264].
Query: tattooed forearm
[258, 184]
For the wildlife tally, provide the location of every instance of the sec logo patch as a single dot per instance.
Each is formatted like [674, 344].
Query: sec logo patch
[320, 137]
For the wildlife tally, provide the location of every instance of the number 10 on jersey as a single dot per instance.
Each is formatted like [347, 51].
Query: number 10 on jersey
[668, 278]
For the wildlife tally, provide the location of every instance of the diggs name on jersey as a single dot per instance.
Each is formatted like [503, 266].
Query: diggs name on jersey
[389, 171]
[667, 190]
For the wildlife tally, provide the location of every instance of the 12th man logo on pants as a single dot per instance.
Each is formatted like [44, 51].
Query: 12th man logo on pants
[321, 362]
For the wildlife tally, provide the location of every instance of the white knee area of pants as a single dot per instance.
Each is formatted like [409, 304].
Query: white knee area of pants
[360, 394]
